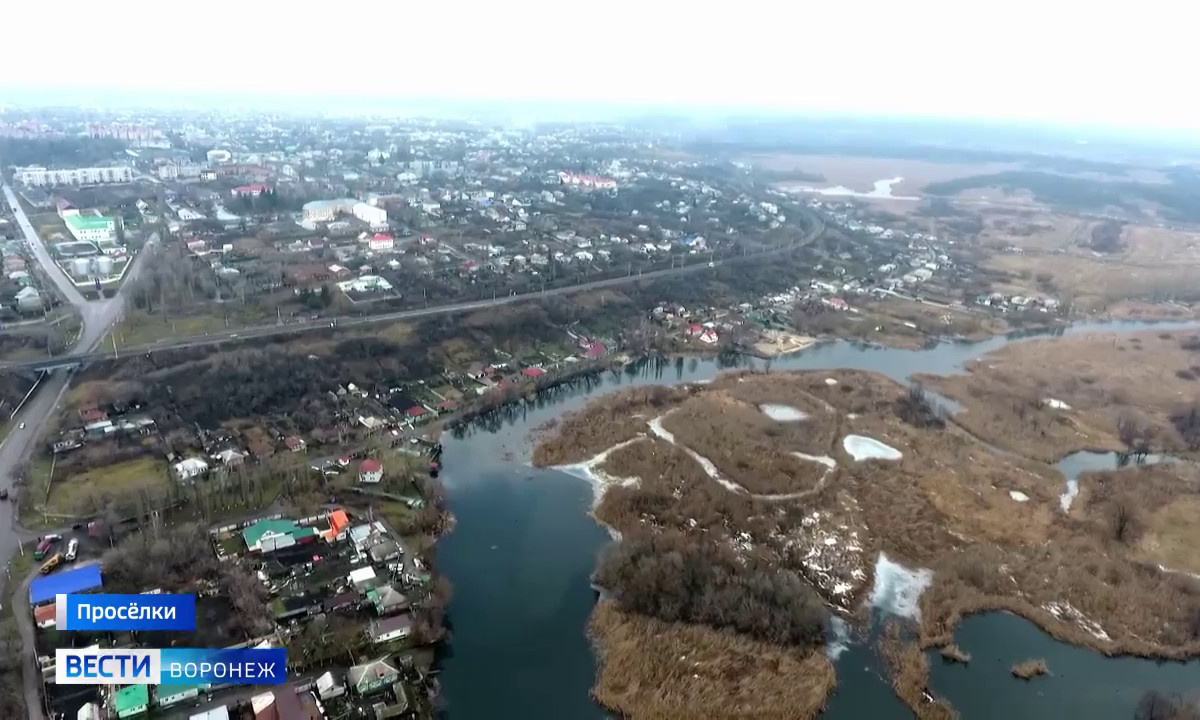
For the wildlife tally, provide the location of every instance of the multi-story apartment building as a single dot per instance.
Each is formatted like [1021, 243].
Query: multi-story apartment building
[41, 177]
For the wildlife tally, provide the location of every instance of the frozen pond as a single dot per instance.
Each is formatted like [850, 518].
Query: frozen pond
[783, 413]
[881, 191]
[861, 447]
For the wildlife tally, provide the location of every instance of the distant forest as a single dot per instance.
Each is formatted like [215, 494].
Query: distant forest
[1179, 198]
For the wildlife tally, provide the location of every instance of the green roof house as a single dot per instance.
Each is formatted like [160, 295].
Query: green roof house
[268, 535]
[171, 693]
[132, 700]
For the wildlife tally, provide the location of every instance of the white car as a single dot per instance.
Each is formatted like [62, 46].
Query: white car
[72, 549]
[21, 426]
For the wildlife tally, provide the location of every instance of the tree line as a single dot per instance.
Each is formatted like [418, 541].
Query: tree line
[679, 578]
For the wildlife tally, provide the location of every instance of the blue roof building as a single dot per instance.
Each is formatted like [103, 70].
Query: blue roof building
[78, 579]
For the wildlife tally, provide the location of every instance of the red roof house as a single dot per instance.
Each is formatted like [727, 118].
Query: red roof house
[533, 372]
[415, 411]
[370, 471]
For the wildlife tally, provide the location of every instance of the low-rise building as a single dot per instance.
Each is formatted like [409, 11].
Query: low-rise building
[89, 225]
[370, 471]
[397, 627]
[372, 676]
[189, 468]
[131, 701]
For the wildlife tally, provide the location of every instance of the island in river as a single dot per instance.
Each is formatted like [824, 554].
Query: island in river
[740, 529]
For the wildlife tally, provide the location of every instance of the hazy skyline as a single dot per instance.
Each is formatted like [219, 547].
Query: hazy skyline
[1065, 62]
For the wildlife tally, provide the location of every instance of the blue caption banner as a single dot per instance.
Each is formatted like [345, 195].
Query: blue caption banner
[161, 611]
[214, 666]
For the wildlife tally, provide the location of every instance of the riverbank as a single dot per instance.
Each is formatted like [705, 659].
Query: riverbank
[1045, 398]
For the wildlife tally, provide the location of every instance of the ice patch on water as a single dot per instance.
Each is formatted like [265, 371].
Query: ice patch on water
[897, 589]
[839, 640]
[783, 413]
[600, 481]
[861, 447]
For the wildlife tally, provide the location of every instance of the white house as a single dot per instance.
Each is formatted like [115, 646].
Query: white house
[189, 468]
[394, 628]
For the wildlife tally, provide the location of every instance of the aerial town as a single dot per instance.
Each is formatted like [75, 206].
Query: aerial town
[248, 337]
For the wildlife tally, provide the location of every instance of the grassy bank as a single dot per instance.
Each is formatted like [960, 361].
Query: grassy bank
[709, 673]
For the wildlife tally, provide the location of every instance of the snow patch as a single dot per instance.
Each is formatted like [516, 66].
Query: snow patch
[1066, 612]
[897, 589]
[1068, 496]
[823, 459]
[783, 413]
[1018, 496]
[1055, 404]
[709, 468]
[830, 381]
[861, 447]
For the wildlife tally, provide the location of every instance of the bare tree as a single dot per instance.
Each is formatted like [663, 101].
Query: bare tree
[1121, 517]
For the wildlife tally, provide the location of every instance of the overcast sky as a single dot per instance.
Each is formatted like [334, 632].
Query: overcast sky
[1119, 63]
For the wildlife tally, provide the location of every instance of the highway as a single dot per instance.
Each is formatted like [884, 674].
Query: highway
[264, 331]
[30, 422]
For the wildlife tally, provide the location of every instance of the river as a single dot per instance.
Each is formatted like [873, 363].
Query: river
[524, 547]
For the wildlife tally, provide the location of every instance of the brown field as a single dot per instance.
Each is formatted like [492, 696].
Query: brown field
[947, 505]
[1164, 505]
[1030, 231]
[1156, 264]
[860, 173]
[1103, 377]
[709, 673]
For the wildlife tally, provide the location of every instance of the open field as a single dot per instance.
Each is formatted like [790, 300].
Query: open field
[70, 494]
[1163, 502]
[139, 328]
[985, 522]
[860, 173]
[1144, 377]
[1091, 284]
[710, 673]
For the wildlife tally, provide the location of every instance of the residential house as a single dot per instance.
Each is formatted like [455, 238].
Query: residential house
[171, 694]
[329, 687]
[131, 701]
[399, 708]
[372, 676]
[363, 578]
[397, 627]
[295, 443]
[383, 549]
[189, 468]
[269, 535]
[387, 600]
[28, 300]
[370, 471]
[231, 457]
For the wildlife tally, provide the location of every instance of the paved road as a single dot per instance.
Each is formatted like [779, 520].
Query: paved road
[264, 331]
[97, 316]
